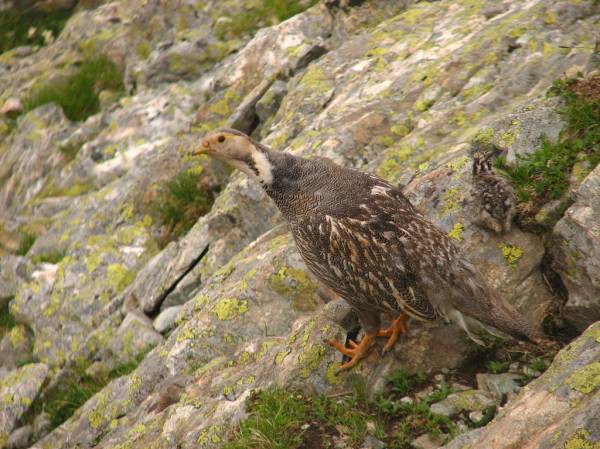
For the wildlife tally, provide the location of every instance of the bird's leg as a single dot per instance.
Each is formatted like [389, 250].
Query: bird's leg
[357, 351]
[397, 328]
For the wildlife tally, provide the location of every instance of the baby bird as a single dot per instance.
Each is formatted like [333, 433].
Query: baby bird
[494, 198]
[363, 239]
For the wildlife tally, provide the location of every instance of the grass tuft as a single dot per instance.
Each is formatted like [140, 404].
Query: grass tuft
[26, 242]
[181, 202]
[7, 322]
[30, 27]
[78, 95]
[61, 403]
[280, 418]
[264, 13]
[52, 257]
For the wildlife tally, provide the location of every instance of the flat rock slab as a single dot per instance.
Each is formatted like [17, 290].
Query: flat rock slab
[17, 391]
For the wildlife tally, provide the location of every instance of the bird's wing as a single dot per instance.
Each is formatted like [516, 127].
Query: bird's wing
[358, 251]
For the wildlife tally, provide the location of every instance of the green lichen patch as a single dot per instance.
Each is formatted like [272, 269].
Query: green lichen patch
[586, 379]
[456, 231]
[581, 440]
[297, 286]
[77, 94]
[511, 253]
[450, 201]
[230, 308]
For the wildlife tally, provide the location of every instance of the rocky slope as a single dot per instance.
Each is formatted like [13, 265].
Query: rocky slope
[400, 89]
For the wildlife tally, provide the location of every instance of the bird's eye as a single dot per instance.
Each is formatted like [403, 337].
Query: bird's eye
[221, 138]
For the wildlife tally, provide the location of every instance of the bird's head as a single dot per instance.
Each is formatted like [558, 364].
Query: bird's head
[239, 151]
[483, 157]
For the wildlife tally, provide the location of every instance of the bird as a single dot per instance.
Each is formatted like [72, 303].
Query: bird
[363, 239]
[494, 197]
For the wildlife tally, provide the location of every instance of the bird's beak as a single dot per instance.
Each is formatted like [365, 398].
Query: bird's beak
[204, 148]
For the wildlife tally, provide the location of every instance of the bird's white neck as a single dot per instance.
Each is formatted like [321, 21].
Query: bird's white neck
[257, 166]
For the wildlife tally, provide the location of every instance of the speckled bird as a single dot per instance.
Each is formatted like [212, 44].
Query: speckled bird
[494, 197]
[362, 238]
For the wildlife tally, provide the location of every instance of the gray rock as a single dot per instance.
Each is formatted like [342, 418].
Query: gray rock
[372, 443]
[41, 425]
[557, 410]
[426, 441]
[9, 277]
[17, 391]
[134, 336]
[576, 253]
[166, 319]
[20, 438]
[268, 105]
[468, 400]
[498, 384]
[15, 346]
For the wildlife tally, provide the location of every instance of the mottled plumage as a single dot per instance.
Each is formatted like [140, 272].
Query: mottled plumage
[494, 198]
[364, 240]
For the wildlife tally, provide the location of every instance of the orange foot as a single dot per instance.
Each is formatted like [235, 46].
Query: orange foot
[397, 328]
[356, 352]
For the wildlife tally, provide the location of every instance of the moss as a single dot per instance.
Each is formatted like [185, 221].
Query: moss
[229, 308]
[295, 285]
[581, 440]
[511, 253]
[78, 94]
[456, 232]
[586, 379]
[30, 27]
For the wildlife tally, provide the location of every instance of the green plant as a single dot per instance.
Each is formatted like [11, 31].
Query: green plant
[539, 365]
[76, 390]
[402, 382]
[52, 257]
[439, 394]
[545, 174]
[7, 321]
[182, 201]
[497, 367]
[265, 12]
[26, 242]
[78, 94]
[30, 27]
